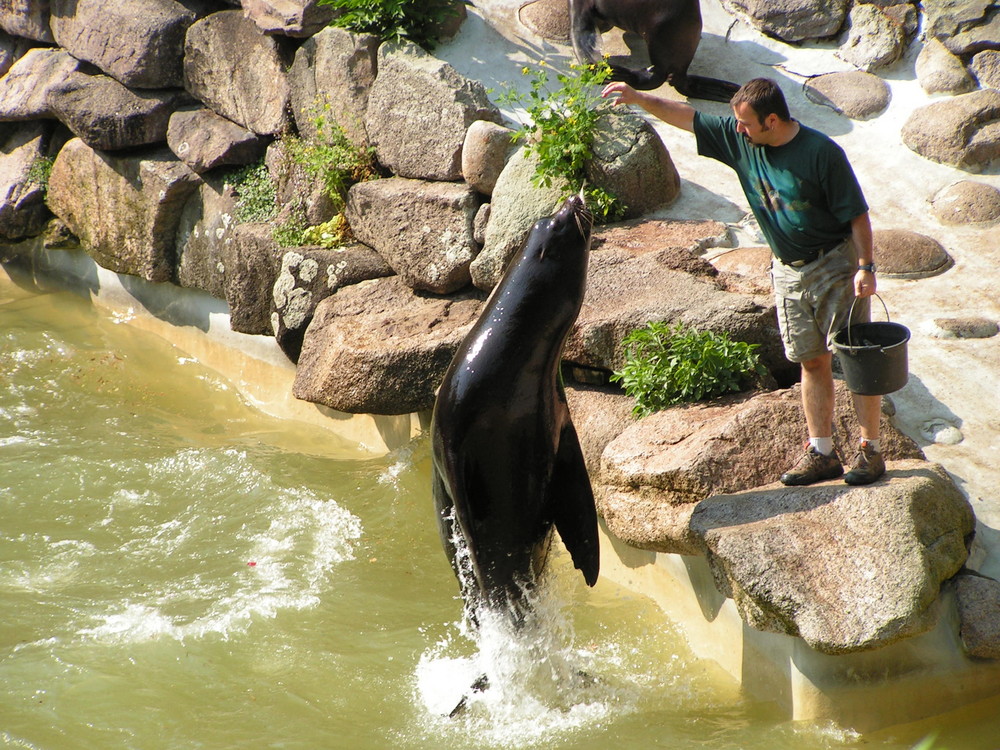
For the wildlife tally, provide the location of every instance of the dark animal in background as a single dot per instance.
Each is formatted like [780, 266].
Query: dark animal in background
[671, 30]
[507, 464]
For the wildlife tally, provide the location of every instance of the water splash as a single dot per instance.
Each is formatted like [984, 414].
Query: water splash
[535, 680]
[514, 685]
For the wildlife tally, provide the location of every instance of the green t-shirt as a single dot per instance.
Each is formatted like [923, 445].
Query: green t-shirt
[804, 194]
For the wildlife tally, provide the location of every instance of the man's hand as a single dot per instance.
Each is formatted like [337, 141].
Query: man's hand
[864, 283]
[624, 93]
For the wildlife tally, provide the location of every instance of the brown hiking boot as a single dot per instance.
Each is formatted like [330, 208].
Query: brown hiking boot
[868, 465]
[813, 467]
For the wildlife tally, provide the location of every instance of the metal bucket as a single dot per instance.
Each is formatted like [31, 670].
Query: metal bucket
[873, 355]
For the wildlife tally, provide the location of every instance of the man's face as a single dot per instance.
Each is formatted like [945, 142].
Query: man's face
[749, 125]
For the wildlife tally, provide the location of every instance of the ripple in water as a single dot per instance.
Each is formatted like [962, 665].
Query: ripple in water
[214, 546]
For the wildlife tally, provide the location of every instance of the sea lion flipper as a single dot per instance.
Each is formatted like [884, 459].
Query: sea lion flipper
[572, 498]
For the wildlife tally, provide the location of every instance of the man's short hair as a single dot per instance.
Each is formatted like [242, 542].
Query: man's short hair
[764, 97]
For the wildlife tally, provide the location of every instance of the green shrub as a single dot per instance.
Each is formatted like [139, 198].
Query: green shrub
[417, 21]
[330, 156]
[40, 171]
[667, 365]
[562, 130]
[255, 193]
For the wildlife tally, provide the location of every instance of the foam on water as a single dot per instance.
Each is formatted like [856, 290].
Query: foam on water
[199, 569]
[539, 682]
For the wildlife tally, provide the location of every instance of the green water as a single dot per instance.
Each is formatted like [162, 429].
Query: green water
[178, 570]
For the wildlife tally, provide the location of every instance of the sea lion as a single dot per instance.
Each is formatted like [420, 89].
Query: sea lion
[507, 464]
[671, 30]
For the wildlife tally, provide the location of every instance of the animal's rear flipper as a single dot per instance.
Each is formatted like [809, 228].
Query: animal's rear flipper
[641, 79]
[481, 685]
[585, 35]
[572, 503]
[709, 89]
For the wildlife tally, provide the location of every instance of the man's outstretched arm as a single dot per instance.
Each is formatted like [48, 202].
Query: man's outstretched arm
[678, 114]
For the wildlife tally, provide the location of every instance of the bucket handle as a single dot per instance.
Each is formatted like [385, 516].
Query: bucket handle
[850, 316]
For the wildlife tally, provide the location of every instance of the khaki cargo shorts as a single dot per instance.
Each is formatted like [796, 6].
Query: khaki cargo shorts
[813, 301]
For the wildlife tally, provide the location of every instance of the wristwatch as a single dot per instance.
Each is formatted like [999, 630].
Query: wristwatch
[866, 267]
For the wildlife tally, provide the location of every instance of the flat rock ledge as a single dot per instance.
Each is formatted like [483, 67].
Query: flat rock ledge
[967, 202]
[845, 568]
[655, 473]
[856, 94]
[903, 254]
[962, 131]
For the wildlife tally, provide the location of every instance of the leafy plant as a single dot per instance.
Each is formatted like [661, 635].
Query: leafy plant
[562, 130]
[330, 156]
[418, 21]
[255, 194]
[290, 232]
[667, 365]
[329, 234]
[40, 171]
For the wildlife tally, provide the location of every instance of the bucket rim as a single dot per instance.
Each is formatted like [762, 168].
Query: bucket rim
[845, 334]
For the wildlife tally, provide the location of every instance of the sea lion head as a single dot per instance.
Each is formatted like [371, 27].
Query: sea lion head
[568, 230]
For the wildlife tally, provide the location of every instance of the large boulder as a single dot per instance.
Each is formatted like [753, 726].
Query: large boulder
[600, 414]
[24, 91]
[847, 569]
[631, 162]
[629, 285]
[874, 39]
[107, 116]
[330, 81]
[423, 229]
[23, 212]
[238, 71]
[26, 18]
[251, 262]
[204, 140]
[963, 26]
[307, 276]
[963, 131]
[979, 615]
[297, 18]
[204, 230]
[301, 194]
[485, 151]
[378, 348]
[140, 43]
[985, 66]
[940, 71]
[125, 210]
[419, 109]
[655, 473]
[516, 205]
[792, 20]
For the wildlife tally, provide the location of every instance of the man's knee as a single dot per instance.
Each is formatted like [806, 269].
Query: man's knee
[817, 365]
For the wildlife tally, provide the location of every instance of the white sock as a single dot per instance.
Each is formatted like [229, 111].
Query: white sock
[822, 445]
[876, 444]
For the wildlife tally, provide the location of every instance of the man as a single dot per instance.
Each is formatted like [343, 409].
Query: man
[808, 203]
